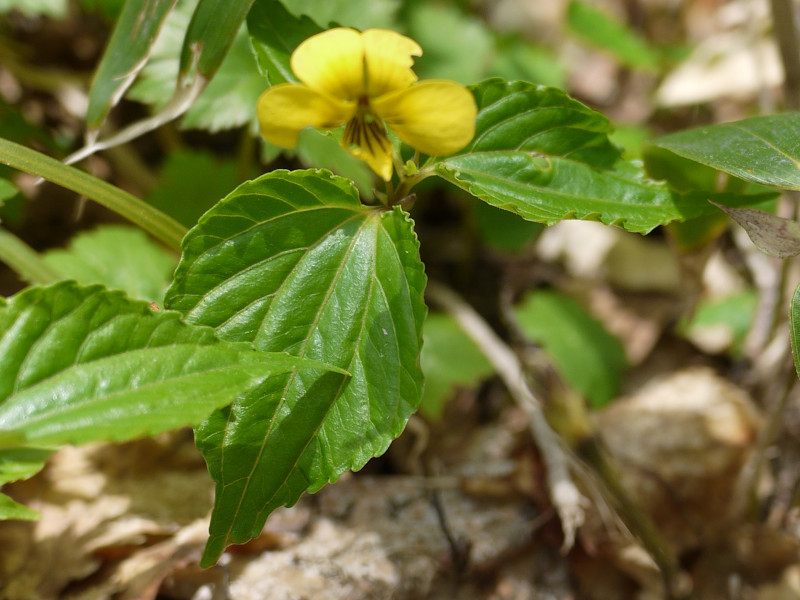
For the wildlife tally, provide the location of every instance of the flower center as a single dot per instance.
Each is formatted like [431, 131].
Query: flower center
[365, 131]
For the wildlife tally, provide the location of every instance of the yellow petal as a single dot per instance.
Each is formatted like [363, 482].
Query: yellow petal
[287, 108]
[388, 58]
[332, 62]
[435, 116]
[366, 139]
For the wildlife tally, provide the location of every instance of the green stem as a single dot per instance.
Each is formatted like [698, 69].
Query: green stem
[161, 226]
[407, 183]
[25, 261]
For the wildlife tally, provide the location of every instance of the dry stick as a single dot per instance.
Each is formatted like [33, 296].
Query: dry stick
[566, 497]
[180, 102]
[783, 19]
[743, 503]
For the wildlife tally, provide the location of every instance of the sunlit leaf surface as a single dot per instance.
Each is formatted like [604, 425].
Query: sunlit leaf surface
[293, 262]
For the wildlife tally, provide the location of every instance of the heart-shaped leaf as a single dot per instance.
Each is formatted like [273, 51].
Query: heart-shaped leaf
[293, 262]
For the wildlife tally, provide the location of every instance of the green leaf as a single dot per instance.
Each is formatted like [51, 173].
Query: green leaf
[21, 463]
[686, 175]
[763, 149]
[794, 324]
[118, 257]
[110, 9]
[192, 181]
[503, 230]
[689, 177]
[25, 261]
[81, 364]
[293, 262]
[526, 117]
[211, 32]
[55, 9]
[517, 58]
[449, 359]
[361, 14]
[274, 34]
[14, 510]
[125, 55]
[602, 31]
[455, 46]
[733, 314]
[7, 190]
[228, 101]
[585, 354]
[547, 157]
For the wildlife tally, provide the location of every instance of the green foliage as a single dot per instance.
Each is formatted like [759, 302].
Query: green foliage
[461, 47]
[14, 510]
[156, 223]
[192, 181]
[518, 58]
[17, 464]
[56, 9]
[361, 14]
[602, 31]
[455, 46]
[295, 341]
[504, 230]
[81, 364]
[585, 354]
[547, 157]
[125, 55]
[733, 313]
[109, 8]
[209, 36]
[794, 324]
[274, 34]
[7, 190]
[118, 257]
[227, 102]
[449, 359]
[689, 177]
[764, 150]
[293, 262]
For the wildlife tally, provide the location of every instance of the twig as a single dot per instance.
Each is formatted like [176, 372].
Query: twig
[566, 497]
[744, 497]
[783, 19]
[180, 102]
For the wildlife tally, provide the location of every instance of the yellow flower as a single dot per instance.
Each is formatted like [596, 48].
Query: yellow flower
[364, 80]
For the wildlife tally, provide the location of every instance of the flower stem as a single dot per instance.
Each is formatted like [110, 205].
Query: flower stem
[407, 183]
[161, 226]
